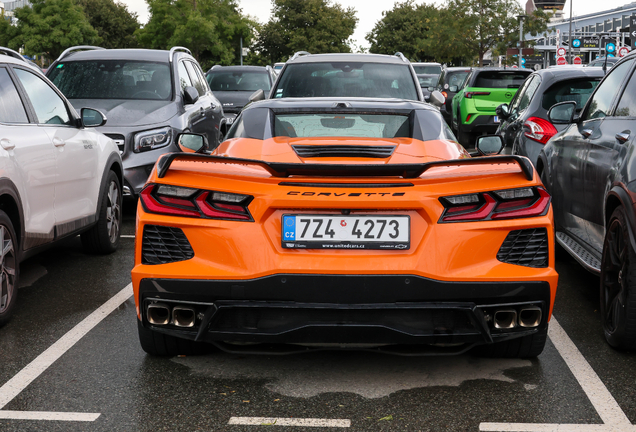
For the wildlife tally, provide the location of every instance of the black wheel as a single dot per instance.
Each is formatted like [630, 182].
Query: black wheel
[159, 344]
[618, 284]
[9, 268]
[523, 347]
[103, 238]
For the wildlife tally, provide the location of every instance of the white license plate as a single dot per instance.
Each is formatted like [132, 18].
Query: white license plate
[303, 231]
[496, 119]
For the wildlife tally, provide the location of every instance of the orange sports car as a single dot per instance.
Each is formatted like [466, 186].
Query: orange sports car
[357, 224]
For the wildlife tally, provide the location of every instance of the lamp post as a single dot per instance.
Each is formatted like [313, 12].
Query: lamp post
[570, 36]
[521, 18]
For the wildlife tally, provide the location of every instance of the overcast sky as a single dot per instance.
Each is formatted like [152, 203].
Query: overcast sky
[370, 12]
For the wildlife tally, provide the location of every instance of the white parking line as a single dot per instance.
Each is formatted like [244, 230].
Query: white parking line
[46, 415]
[613, 417]
[26, 376]
[281, 421]
[126, 236]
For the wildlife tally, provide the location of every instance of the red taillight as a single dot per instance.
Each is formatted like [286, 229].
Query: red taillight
[179, 201]
[496, 205]
[468, 117]
[539, 130]
[469, 95]
[445, 94]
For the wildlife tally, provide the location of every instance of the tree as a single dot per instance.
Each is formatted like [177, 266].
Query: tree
[211, 29]
[115, 25]
[305, 25]
[49, 27]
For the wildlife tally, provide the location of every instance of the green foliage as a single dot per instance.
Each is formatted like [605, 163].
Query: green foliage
[115, 25]
[305, 25]
[48, 27]
[211, 29]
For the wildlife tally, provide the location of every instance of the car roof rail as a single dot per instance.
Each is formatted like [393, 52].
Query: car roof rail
[298, 54]
[11, 53]
[400, 55]
[180, 49]
[70, 50]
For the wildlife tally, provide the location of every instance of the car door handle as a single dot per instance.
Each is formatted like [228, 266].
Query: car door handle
[586, 133]
[58, 142]
[622, 137]
[6, 144]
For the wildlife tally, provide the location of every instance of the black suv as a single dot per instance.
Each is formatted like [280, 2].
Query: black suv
[449, 83]
[148, 96]
[347, 75]
[233, 85]
[590, 170]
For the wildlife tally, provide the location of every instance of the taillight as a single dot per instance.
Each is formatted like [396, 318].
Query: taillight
[539, 130]
[496, 205]
[180, 201]
[469, 95]
[445, 94]
[468, 117]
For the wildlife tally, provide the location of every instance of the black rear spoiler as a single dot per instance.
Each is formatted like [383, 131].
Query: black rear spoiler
[407, 171]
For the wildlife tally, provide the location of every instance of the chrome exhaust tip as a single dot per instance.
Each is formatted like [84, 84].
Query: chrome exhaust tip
[530, 317]
[183, 316]
[505, 319]
[158, 313]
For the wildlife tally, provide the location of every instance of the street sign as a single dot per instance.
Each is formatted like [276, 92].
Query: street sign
[590, 42]
[576, 43]
[523, 61]
[577, 60]
[514, 67]
[610, 47]
[623, 51]
[561, 61]
[632, 30]
[561, 52]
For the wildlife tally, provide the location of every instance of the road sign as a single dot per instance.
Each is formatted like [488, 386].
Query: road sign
[610, 47]
[514, 66]
[623, 51]
[561, 61]
[561, 52]
[577, 60]
[632, 30]
[576, 43]
[523, 61]
[590, 42]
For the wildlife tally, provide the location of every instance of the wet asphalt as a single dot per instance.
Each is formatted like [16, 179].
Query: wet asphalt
[106, 372]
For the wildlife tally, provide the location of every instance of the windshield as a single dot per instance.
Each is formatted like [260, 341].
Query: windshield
[342, 125]
[456, 78]
[436, 70]
[238, 81]
[500, 79]
[113, 79]
[427, 80]
[347, 80]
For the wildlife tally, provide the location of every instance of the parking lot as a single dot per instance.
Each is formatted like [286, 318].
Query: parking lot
[72, 361]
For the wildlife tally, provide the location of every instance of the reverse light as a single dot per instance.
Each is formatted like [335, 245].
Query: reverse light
[153, 139]
[496, 205]
[189, 202]
[470, 95]
[539, 130]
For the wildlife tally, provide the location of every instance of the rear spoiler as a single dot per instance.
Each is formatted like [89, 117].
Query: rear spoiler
[407, 171]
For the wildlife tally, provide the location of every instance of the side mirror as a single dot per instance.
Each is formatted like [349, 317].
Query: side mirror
[190, 95]
[562, 113]
[453, 89]
[437, 99]
[489, 145]
[92, 117]
[192, 143]
[503, 111]
[257, 95]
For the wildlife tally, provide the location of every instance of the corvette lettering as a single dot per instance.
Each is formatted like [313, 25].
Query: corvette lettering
[351, 194]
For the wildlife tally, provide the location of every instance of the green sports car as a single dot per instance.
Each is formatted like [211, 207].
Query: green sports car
[483, 91]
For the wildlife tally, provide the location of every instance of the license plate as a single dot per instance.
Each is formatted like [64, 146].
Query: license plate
[496, 119]
[346, 232]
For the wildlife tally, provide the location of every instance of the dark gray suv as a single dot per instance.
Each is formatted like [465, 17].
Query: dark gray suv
[148, 96]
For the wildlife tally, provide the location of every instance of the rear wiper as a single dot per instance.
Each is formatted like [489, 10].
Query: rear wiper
[513, 86]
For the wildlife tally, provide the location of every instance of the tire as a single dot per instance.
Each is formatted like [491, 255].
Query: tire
[163, 345]
[103, 237]
[618, 284]
[9, 268]
[524, 347]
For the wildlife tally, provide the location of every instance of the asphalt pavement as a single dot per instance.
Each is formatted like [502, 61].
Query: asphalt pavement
[70, 361]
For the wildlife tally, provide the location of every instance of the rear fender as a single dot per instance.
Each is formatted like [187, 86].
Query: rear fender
[618, 196]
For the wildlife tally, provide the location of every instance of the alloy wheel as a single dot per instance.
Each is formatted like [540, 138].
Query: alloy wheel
[615, 270]
[7, 269]
[113, 212]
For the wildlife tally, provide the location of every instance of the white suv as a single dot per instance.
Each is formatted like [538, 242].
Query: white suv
[58, 177]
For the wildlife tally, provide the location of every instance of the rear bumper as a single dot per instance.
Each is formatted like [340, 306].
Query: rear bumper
[482, 124]
[346, 309]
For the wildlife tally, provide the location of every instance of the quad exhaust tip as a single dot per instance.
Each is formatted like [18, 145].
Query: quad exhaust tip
[158, 313]
[530, 317]
[183, 316]
[505, 319]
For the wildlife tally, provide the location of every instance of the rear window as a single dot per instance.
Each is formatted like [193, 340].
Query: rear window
[342, 125]
[427, 69]
[427, 80]
[238, 81]
[578, 91]
[343, 79]
[456, 78]
[500, 79]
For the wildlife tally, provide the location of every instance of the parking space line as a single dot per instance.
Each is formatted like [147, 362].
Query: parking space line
[26, 376]
[46, 415]
[613, 417]
[281, 421]
[126, 236]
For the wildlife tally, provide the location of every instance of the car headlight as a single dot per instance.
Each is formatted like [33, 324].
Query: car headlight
[153, 139]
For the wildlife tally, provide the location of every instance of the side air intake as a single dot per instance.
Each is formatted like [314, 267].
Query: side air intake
[528, 247]
[162, 244]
